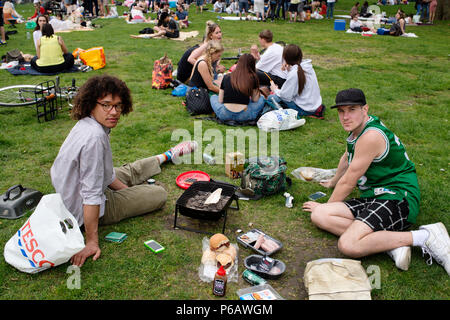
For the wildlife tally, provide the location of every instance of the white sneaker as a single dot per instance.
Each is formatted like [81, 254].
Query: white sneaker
[401, 256]
[437, 245]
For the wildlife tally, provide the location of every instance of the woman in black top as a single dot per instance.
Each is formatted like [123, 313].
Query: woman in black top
[239, 98]
[398, 28]
[167, 26]
[202, 73]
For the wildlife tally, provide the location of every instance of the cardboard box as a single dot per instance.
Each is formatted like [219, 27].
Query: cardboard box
[234, 164]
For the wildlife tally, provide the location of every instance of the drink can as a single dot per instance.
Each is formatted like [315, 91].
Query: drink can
[209, 159]
[253, 278]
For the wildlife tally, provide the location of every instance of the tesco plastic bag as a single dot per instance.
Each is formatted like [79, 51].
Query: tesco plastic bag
[50, 237]
[281, 119]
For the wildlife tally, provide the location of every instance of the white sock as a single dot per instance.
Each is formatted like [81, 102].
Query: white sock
[419, 237]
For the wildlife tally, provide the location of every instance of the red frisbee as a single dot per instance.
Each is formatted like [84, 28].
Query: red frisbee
[187, 178]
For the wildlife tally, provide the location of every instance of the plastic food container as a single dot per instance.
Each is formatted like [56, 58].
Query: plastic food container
[262, 292]
[252, 262]
[250, 238]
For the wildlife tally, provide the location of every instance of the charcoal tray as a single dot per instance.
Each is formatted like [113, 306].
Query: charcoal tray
[228, 190]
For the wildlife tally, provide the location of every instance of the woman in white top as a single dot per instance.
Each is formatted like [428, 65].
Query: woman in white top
[301, 90]
[37, 34]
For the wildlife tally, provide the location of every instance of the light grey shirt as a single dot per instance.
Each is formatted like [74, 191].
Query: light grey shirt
[84, 168]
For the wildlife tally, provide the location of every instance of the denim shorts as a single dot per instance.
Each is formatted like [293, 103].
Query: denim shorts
[251, 113]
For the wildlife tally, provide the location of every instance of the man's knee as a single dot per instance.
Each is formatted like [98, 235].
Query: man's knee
[157, 196]
[349, 247]
[319, 216]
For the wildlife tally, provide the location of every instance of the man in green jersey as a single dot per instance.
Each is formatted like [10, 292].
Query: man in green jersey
[376, 161]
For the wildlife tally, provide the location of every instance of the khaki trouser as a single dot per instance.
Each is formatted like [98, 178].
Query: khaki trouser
[140, 197]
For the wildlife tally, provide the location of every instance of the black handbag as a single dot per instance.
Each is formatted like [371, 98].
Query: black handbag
[197, 101]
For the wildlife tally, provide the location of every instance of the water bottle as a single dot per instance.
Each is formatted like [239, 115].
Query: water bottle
[209, 159]
[28, 35]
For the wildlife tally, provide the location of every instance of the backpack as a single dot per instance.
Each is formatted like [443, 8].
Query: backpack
[265, 176]
[14, 55]
[162, 73]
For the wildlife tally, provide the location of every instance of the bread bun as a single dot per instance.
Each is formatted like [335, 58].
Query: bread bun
[307, 174]
[219, 242]
[209, 257]
[231, 251]
[224, 260]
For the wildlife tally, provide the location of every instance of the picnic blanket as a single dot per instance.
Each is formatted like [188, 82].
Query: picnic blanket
[79, 29]
[183, 36]
[26, 69]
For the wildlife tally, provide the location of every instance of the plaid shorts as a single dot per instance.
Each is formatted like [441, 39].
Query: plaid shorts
[381, 214]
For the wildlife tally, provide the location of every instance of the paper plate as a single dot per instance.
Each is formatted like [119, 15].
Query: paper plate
[185, 179]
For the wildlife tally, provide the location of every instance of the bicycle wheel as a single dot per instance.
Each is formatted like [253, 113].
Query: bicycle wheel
[17, 96]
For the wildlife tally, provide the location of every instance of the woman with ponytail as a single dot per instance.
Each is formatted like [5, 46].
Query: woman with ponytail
[301, 90]
[202, 73]
[239, 98]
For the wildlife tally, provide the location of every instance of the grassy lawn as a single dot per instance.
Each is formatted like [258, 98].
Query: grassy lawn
[406, 82]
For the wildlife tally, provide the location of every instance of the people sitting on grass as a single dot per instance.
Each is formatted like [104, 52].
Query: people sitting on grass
[91, 188]
[37, 33]
[357, 26]
[9, 13]
[212, 32]
[269, 64]
[376, 161]
[233, 8]
[355, 9]
[202, 74]
[398, 27]
[38, 10]
[365, 10]
[182, 16]
[301, 90]
[239, 97]
[219, 6]
[52, 55]
[190, 56]
[167, 27]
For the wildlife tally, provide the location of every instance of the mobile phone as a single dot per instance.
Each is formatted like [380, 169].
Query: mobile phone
[316, 195]
[154, 246]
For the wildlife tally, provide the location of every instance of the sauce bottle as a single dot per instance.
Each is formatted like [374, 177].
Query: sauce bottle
[220, 282]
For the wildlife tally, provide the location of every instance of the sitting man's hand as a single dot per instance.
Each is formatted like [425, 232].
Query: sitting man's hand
[310, 205]
[327, 183]
[91, 249]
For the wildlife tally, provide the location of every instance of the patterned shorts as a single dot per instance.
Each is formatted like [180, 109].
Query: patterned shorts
[381, 214]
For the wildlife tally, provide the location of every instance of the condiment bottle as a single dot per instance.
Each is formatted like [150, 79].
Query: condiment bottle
[220, 282]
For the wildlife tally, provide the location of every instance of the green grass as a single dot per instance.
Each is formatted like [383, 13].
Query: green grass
[405, 80]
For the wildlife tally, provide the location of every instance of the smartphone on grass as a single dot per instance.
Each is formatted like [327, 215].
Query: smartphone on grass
[316, 195]
[154, 246]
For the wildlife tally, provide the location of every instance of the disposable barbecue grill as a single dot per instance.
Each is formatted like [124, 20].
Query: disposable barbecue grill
[206, 213]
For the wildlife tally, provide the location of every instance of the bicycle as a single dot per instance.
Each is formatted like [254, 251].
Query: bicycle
[28, 95]
[47, 97]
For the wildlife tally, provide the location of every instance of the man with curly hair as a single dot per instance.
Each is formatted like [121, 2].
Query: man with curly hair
[93, 190]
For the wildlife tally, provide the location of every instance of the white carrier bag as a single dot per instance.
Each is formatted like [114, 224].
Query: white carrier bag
[281, 119]
[50, 237]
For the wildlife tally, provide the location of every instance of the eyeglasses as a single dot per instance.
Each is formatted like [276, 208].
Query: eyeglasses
[108, 107]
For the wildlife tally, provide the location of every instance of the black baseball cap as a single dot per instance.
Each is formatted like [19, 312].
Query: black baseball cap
[350, 97]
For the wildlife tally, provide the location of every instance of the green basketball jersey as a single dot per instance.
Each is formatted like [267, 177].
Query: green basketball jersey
[390, 176]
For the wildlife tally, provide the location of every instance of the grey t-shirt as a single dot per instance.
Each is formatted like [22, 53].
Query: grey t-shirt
[84, 168]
